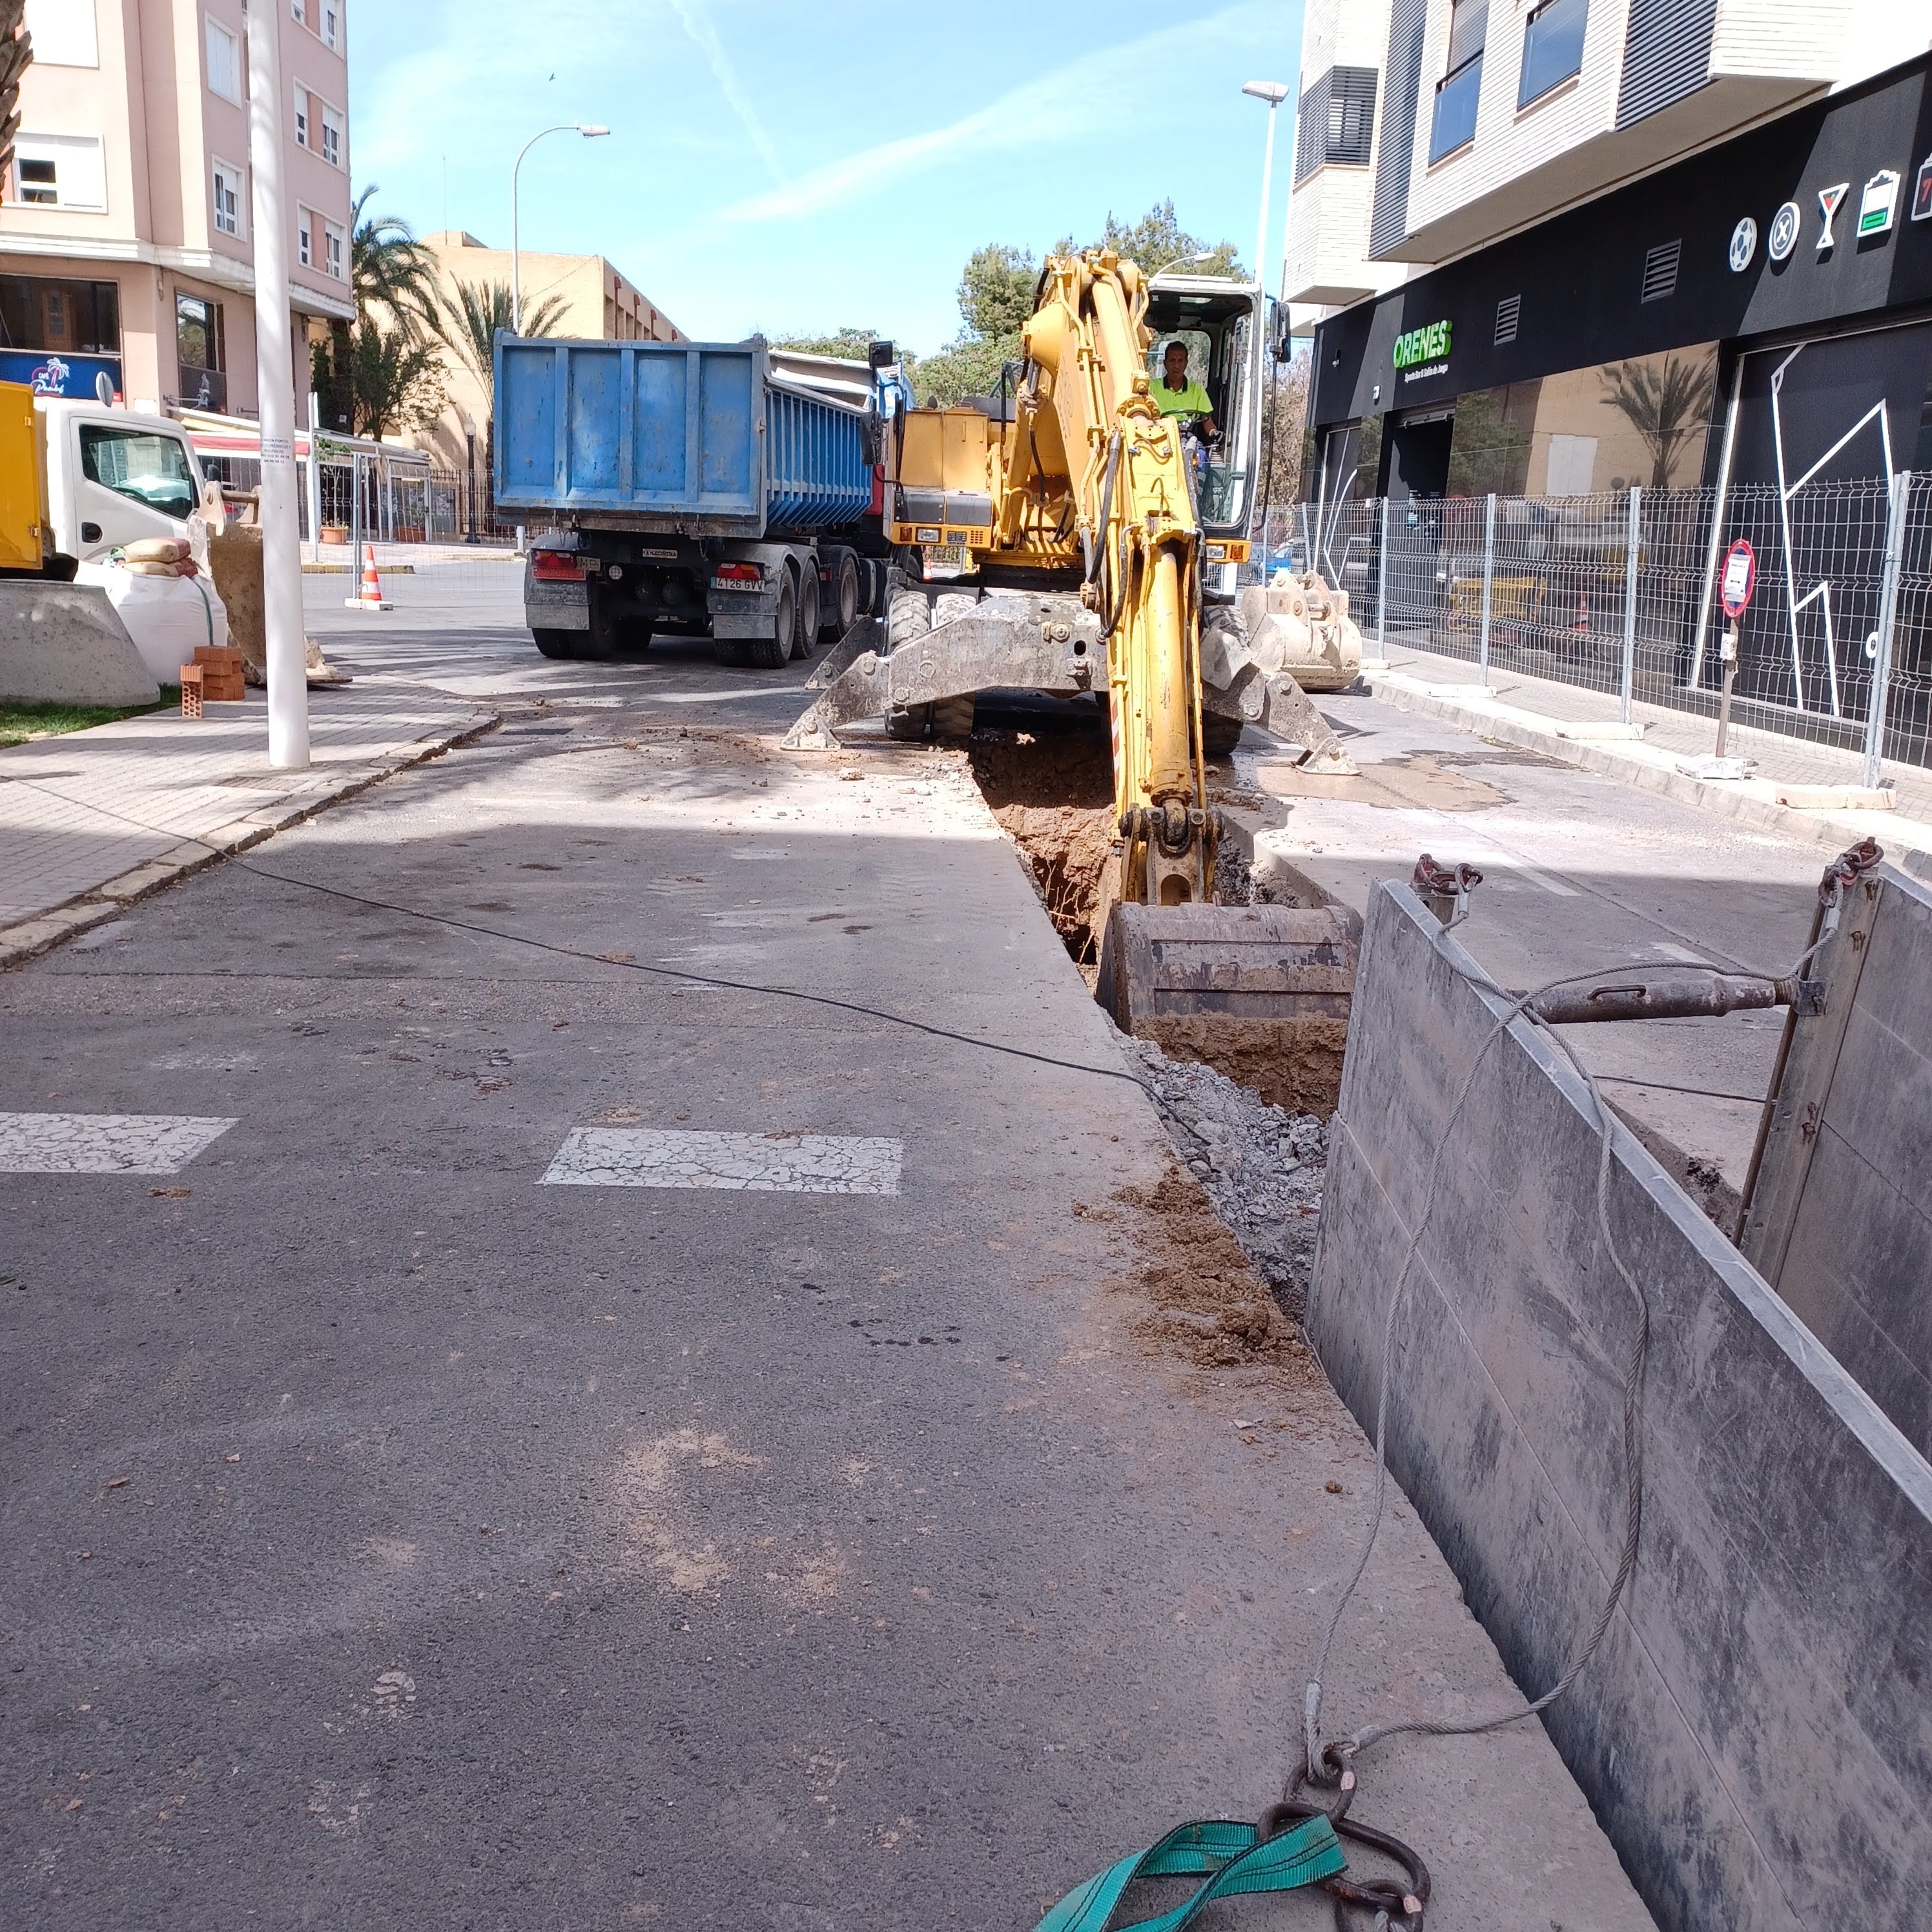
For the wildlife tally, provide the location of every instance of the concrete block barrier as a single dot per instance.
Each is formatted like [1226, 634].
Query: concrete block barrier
[64, 643]
[1756, 1732]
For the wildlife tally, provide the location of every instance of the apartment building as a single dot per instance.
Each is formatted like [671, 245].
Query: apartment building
[597, 301]
[1569, 201]
[126, 258]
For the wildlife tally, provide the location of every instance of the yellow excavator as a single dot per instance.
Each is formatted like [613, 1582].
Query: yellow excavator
[1066, 537]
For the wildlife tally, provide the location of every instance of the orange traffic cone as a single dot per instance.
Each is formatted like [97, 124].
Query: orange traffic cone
[371, 596]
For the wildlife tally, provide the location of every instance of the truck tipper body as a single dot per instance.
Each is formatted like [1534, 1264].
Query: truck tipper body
[718, 490]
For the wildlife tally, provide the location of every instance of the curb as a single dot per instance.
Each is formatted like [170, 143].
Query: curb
[31, 938]
[1630, 765]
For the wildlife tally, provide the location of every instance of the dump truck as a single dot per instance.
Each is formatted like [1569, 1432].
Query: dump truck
[727, 491]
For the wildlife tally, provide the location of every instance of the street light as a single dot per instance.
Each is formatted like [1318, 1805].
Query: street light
[589, 130]
[469, 439]
[1274, 94]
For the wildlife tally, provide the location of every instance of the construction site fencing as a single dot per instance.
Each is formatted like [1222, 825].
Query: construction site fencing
[1621, 593]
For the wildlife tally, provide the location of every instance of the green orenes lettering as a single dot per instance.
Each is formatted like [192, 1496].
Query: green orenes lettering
[1428, 344]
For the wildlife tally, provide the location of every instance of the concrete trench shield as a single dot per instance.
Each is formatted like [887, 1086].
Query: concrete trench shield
[1756, 1733]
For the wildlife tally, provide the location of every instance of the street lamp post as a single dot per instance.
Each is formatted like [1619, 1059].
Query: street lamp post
[588, 130]
[470, 438]
[1274, 94]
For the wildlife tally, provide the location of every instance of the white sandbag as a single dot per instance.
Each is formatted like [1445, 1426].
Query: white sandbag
[168, 618]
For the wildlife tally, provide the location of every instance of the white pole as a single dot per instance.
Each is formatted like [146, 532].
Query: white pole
[274, 375]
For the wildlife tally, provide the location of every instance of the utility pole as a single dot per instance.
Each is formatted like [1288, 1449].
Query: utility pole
[274, 369]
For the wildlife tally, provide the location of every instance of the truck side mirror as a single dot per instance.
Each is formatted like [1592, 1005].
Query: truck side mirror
[881, 354]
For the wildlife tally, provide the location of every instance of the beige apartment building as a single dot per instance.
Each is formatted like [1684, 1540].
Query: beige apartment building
[598, 303]
[125, 249]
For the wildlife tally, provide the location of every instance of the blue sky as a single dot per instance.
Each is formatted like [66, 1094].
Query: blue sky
[790, 169]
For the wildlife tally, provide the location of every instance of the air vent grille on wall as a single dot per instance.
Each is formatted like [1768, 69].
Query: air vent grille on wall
[1509, 312]
[1660, 271]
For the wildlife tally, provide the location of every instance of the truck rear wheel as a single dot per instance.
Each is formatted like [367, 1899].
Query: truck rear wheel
[559, 643]
[772, 651]
[805, 637]
[728, 650]
[839, 610]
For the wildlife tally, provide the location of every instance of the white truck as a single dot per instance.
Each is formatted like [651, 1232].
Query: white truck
[110, 477]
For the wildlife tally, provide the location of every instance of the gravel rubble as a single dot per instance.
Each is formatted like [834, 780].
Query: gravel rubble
[1262, 1168]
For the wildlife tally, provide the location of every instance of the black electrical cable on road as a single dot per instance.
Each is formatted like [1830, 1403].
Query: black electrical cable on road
[595, 958]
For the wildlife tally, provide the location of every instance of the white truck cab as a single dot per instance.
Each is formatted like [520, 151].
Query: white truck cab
[112, 476]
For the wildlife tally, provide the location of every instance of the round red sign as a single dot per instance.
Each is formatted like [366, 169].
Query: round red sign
[1740, 578]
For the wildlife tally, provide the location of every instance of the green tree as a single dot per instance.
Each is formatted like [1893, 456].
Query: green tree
[471, 318]
[1157, 241]
[1664, 402]
[391, 271]
[854, 344]
[397, 383]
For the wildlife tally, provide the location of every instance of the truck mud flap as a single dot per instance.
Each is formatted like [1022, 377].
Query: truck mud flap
[985, 651]
[1274, 701]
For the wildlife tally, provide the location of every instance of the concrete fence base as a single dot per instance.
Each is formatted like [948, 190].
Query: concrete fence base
[1756, 1733]
[64, 643]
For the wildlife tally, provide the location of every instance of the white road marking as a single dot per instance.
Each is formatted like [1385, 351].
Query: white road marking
[1544, 880]
[104, 1143]
[754, 1163]
[1680, 953]
[207, 1062]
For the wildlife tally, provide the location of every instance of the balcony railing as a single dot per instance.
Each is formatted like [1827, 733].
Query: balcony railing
[1455, 124]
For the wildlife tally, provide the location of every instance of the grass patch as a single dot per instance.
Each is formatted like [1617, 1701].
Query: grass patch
[21, 723]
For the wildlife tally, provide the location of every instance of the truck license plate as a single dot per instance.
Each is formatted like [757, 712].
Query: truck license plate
[948, 560]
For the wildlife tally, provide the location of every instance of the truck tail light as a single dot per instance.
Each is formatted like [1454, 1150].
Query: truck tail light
[555, 566]
[738, 577]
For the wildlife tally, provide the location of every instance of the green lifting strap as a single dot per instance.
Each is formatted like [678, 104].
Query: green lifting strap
[1222, 1847]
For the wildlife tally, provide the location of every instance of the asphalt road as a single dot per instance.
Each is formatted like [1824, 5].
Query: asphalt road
[393, 1539]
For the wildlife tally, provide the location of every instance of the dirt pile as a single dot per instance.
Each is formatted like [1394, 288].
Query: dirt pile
[1262, 1168]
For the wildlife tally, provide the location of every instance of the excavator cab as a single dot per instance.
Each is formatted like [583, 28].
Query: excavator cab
[1217, 321]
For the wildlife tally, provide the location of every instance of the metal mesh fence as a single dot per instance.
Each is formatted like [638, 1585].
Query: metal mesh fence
[1619, 593]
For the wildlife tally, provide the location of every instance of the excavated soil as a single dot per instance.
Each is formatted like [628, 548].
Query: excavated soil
[1295, 1065]
[1053, 795]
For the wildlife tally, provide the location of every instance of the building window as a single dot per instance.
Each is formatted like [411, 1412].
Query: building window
[1552, 46]
[200, 350]
[59, 171]
[227, 199]
[224, 62]
[1457, 92]
[295, 10]
[304, 255]
[331, 15]
[301, 117]
[1335, 122]
[331, 137]
[70, 318]
[338, 244]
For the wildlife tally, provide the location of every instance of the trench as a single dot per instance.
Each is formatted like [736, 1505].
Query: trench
[1048, 782]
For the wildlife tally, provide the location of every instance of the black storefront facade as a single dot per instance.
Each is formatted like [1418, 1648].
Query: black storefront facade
[1754, 323]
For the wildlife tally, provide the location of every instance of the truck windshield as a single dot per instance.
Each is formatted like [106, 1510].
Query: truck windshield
[141, 465]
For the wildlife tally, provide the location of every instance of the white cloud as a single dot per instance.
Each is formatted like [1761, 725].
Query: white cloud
[1096, 92]
[697, 24]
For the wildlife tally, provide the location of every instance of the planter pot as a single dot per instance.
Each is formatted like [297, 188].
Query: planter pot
[335, 533]
[408, 533]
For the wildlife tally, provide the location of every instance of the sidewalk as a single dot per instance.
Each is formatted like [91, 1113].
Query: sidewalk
[92, 820]
[1531, 712]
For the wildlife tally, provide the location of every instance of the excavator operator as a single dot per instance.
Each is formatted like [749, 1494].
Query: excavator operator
[1175, 395]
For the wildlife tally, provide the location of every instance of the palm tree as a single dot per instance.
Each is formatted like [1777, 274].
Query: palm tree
[1663, 404]
[470, 323]
[390, 270]
[16, 51]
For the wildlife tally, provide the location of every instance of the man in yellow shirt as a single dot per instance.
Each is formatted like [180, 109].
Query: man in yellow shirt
[1174, 395]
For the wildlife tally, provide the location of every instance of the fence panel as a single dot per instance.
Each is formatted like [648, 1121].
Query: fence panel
[1545, 587]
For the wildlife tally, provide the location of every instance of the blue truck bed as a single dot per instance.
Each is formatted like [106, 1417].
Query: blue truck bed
[691, 438]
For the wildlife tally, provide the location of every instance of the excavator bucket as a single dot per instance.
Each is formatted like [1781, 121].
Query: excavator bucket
[1261, 993]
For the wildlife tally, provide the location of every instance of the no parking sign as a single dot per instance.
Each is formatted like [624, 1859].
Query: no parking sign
[1740, 579]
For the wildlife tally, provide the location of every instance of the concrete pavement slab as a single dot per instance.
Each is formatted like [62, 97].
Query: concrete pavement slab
[394, 1539]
